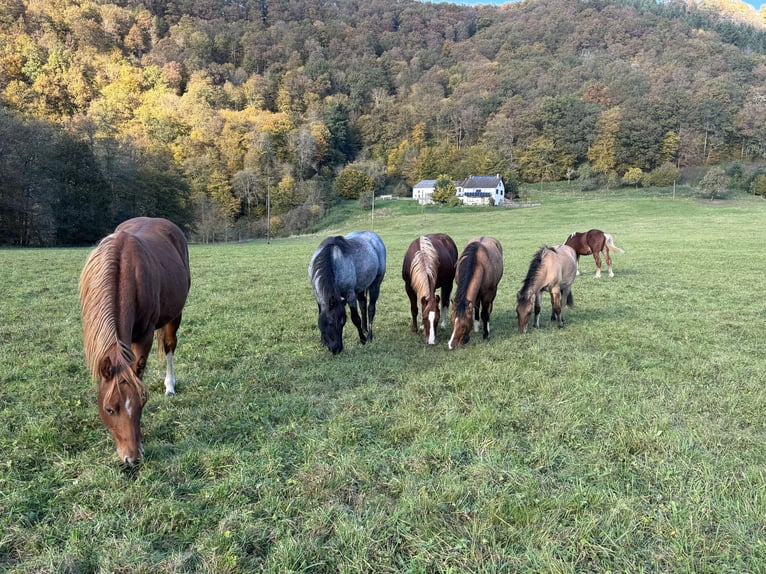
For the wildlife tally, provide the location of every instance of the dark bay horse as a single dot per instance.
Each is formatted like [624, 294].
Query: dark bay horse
[479, 270]
[347, 270]
[133, 287]
[429, 264]
[593, 242]
[552, 269]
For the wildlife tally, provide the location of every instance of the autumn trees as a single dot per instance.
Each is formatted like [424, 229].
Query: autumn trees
[223, 115]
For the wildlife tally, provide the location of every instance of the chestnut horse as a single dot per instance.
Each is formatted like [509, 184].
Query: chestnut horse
[133, 287]
[479, 270]
[347, 271]
[593, 242]
[429, 264]
[552, 269]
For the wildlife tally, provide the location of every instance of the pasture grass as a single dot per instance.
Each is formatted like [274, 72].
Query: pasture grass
[631, 440]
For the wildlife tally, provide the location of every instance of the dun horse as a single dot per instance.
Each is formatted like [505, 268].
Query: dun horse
[347, 270]
[429, 264]
[593, 242]
[133, 287]
[479, 270]
[552, 269]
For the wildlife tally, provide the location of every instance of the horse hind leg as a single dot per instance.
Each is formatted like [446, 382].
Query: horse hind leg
[597, 257]
[374, 293]
[486, 313]
[167, 341]
[608, 261]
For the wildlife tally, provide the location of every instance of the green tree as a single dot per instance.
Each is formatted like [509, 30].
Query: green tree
[633, 176]
[542, 161]
[715, 182]
[444, 189]
[352, 182]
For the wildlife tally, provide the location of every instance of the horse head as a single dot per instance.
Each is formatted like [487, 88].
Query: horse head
[431, 317]
[524, 305]
[462, 323]
[121, 399]
[332, 318]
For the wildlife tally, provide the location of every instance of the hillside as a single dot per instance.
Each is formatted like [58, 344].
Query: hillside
[203, 111]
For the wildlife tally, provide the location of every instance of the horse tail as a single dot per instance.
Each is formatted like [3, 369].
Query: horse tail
[160, 340]
[610, 243]
[570, 299]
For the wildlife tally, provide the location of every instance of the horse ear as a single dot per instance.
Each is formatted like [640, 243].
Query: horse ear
[423, 301]
[105, 369]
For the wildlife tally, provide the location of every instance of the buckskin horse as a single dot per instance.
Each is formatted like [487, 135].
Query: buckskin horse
[429, 264]
[479, 270]
[593, 242]
[133, 288]
[347, 271]
[552, 269]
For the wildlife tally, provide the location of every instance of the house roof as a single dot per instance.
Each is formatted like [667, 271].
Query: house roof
[480, 181]
[426, 183]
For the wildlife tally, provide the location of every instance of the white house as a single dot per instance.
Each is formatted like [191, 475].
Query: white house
[479, 189]
[424, 191]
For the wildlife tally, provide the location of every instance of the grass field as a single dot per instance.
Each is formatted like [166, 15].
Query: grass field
[633, 440]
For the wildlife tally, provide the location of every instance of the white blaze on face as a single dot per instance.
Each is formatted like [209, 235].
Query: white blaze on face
[170, 375]
[129, 408]
[432, 333]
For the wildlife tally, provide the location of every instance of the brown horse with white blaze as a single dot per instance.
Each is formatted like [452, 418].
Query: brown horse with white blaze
[552, 269]
[133, 287]
[593, 242]
[479, 270]
[429, 264]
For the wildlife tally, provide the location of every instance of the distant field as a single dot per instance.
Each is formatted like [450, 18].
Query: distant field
[632, 440]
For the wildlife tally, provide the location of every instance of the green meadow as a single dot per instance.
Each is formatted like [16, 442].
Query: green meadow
[632, 440]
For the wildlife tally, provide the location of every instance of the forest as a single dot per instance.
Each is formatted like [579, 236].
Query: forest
[238, 119]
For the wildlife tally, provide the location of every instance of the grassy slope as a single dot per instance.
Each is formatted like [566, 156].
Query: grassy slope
[633, 439]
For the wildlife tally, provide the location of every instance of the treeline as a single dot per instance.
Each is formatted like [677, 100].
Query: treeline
[236, 118]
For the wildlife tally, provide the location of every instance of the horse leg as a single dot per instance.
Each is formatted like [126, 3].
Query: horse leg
[597, 257]
[578, 264]
[356, 319]
[361, 298]
[608, 261]
[374, 293]
[446, 293]
[538, 307]
[556, 305]
[486, 312]
[413, 308]
[167, 339]
[477, 316]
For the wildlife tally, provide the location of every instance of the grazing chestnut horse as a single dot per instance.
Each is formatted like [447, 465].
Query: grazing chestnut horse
[133, 287]
[347, 271]
[552, 269]
[593, 242]
[429, 264]
[479, 270]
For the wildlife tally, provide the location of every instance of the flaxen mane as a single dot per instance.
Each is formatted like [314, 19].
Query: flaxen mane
[423, 268]
[98, 289]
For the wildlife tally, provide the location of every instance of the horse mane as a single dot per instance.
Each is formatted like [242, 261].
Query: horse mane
[423, 268]
[467, 263]
[534, 268]
[98, 287]
[323, 270]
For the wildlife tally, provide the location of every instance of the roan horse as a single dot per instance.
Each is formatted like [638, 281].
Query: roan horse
[429, 264]
[593, 242]
[552, 269]
[133, 287]
[347, 270]
[479, 270]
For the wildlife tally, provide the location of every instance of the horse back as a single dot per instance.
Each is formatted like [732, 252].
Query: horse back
[367, 254]
[566, 263]
[154, 268]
